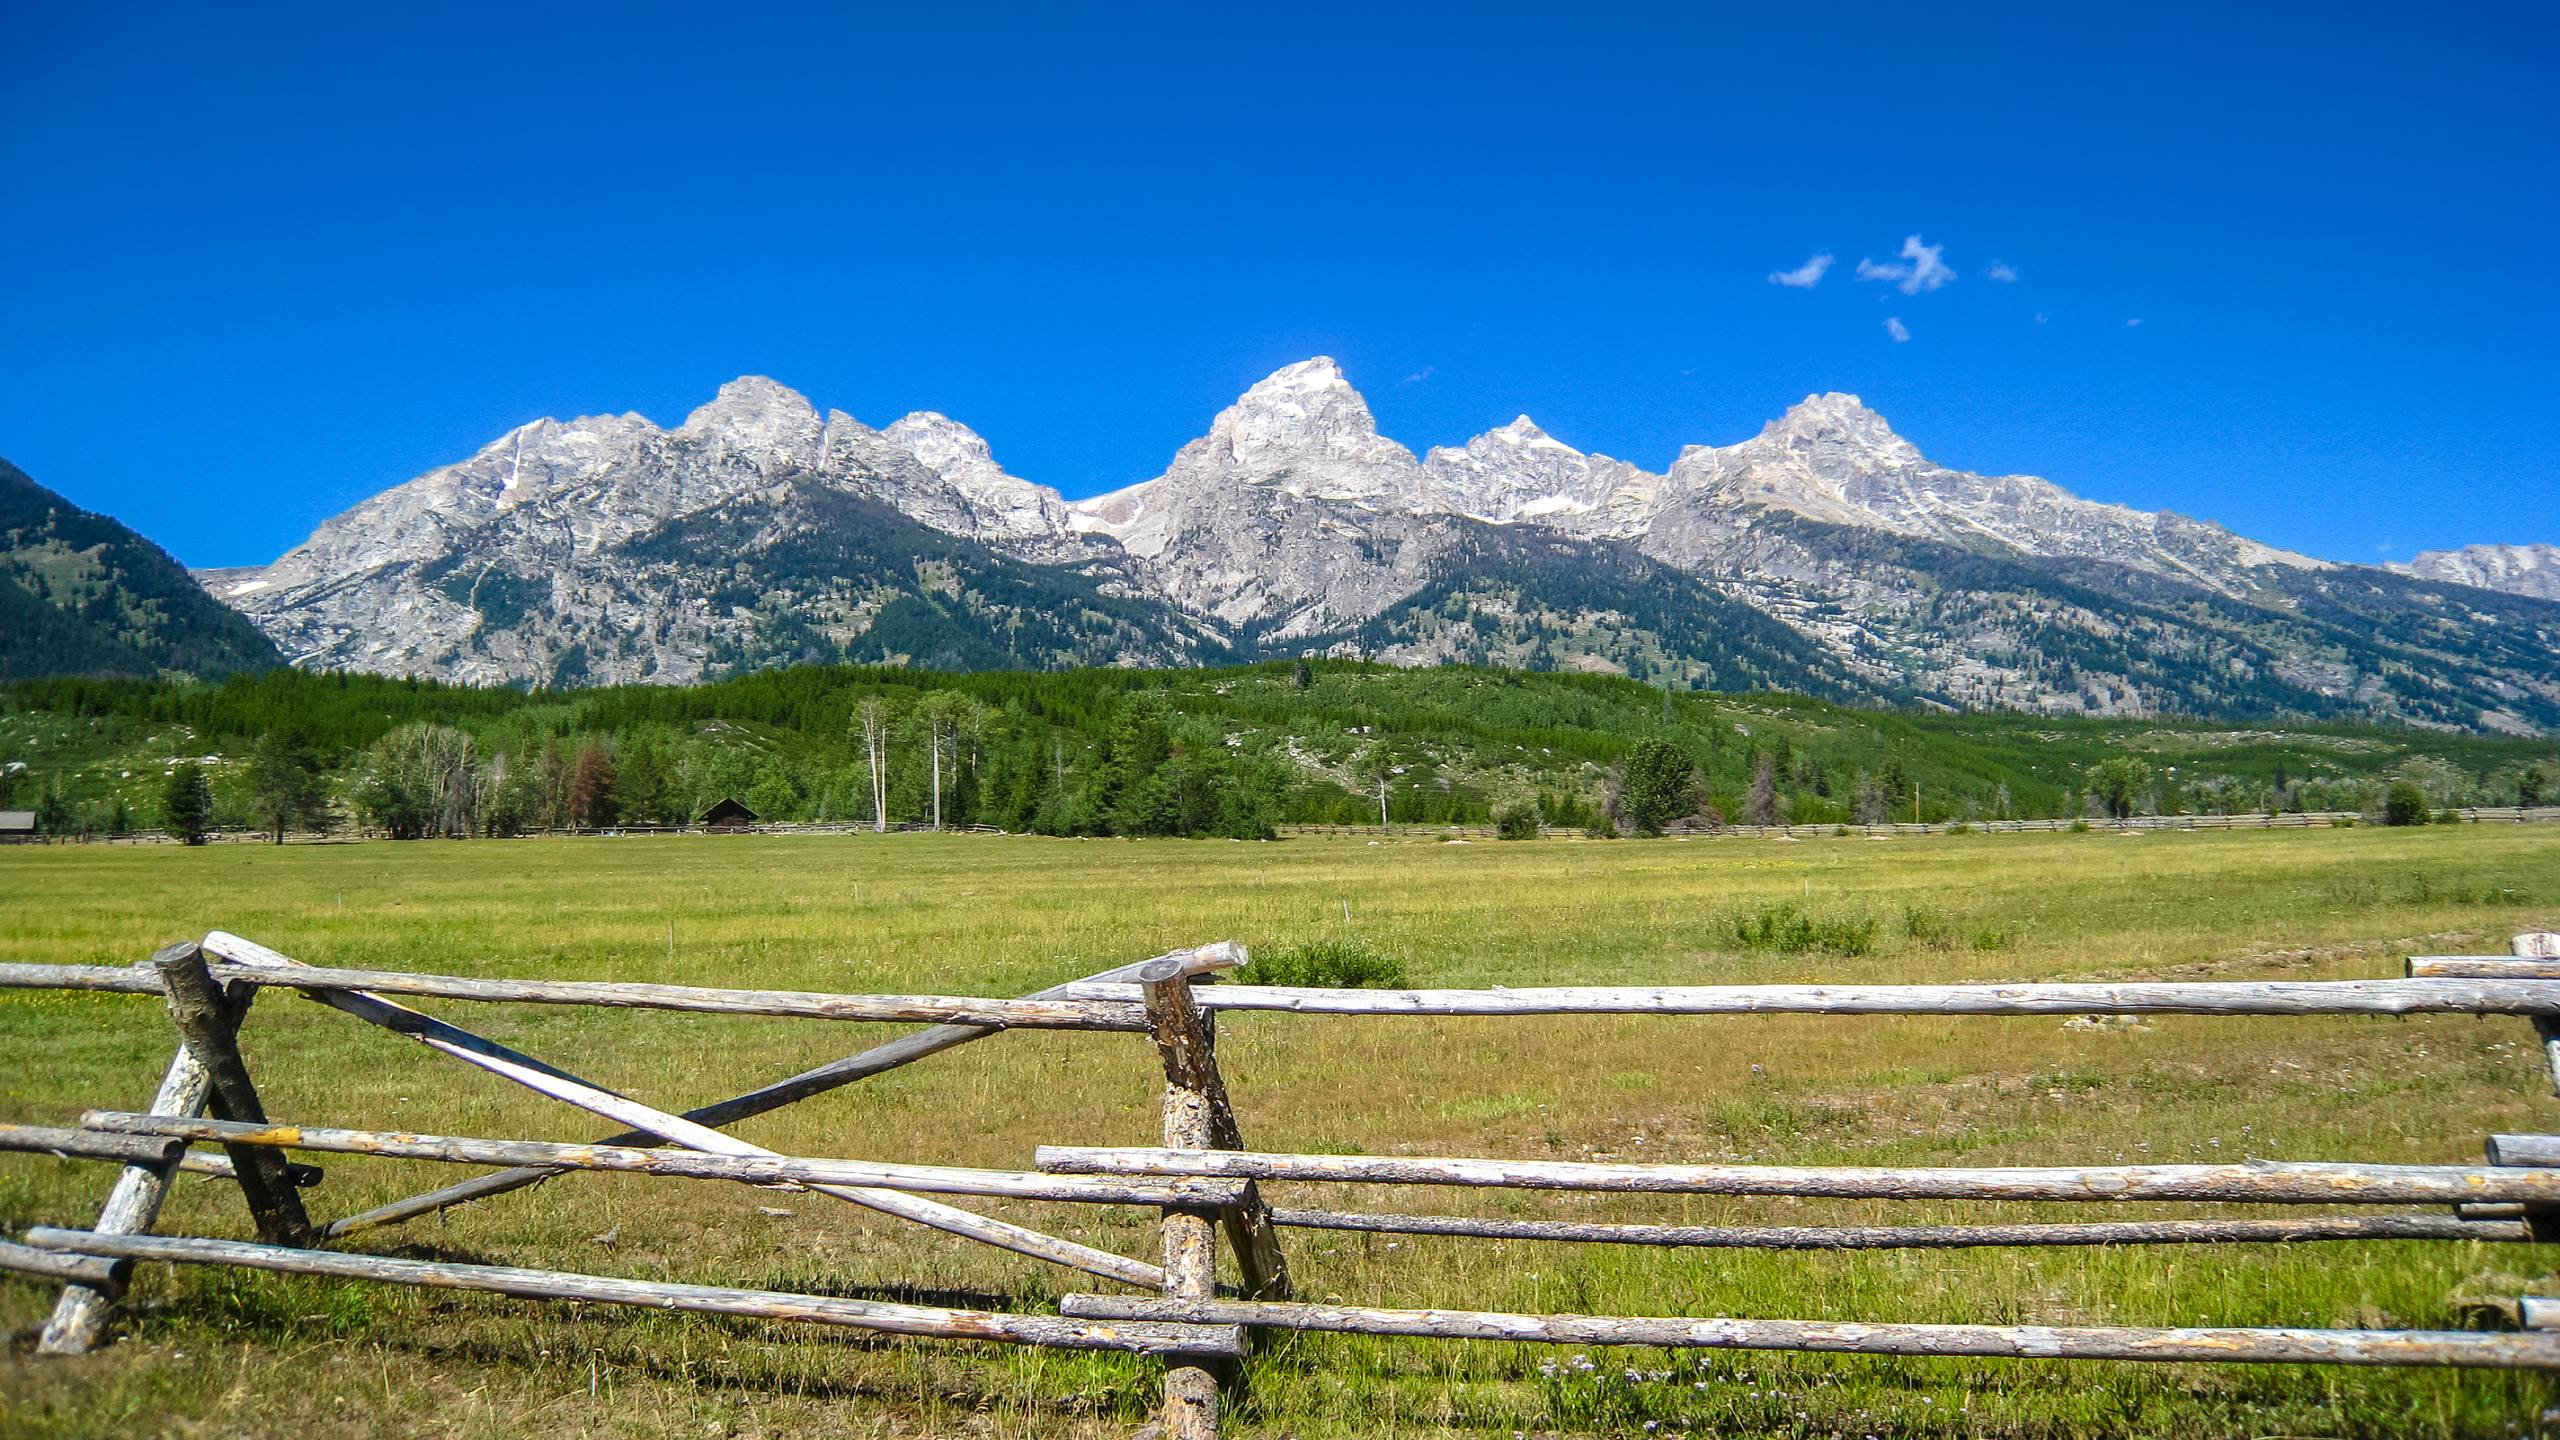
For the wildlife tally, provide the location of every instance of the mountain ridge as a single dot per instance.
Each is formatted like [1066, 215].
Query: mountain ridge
[1293, 524]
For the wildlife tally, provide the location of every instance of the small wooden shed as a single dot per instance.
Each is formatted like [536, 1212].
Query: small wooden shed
[727, 815]
[17, 827]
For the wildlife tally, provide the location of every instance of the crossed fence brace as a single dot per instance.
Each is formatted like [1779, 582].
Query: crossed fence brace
[1202, 1178]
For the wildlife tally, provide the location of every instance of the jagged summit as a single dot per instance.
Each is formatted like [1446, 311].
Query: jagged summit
[1320, 372]
[1525, 432]
[983, 501]
[938, 440]
[1306, 412]
[1844, 427]
[1830, 406]
[757, 414]
[750, 396]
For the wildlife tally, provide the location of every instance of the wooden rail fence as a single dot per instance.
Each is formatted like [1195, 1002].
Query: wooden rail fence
[1203, 1181]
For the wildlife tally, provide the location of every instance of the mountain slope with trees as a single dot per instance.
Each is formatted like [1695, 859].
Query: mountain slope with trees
[1235, 751]
[80, 594]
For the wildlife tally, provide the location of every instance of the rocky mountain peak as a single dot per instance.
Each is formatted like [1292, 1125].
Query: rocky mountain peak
[1842, 424]
[940, 441]
[753, 408]
[975, 497]
[1524, 433]
[1321, 372]
[1305, 411]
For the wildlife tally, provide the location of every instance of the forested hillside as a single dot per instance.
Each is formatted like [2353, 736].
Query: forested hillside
[1154, 752]
[80, 594]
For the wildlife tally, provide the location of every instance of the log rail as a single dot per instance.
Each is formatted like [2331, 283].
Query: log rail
[2443, 987]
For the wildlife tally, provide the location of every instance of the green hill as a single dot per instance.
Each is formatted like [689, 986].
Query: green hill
[80, 594]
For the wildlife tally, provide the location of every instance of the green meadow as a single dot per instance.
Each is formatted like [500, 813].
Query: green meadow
[207, 1352]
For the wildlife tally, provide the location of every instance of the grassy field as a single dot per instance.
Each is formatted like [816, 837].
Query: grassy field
[216, 1353]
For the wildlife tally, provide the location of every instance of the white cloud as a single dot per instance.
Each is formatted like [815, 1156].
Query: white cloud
[2004, 272]
[1804, 276]
[1894, 327]
[2044, 317]
[1917, 273]
[1418, 376]
[2129, 324]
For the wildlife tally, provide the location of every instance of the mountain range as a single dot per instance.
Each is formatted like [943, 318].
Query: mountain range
[1825, 554]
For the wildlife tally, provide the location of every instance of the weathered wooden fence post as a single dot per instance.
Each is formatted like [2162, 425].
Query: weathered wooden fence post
[80, 1316]
[2542, 945]
[206, 1025]
[1190, 1236]
[2540, 1222]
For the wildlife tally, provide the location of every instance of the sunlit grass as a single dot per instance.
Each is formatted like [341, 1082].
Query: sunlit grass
[260, 1354]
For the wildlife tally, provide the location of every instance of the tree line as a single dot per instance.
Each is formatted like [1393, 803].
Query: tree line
[1228, 752]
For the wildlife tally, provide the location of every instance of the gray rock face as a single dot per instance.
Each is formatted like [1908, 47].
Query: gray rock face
[1294, 523]
[492, 570]
[1291, 517]
[2515, 569]
[1521, 473]
[1830, 458]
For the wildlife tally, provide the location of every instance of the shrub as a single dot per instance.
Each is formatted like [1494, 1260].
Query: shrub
[1786, 928]
[2404, 804]
[1928, 927]
[1517, 820]
[2079, 827]
[1325, 965]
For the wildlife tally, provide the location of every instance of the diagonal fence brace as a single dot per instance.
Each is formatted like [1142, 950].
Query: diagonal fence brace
[486, 1054]
[905, 1050]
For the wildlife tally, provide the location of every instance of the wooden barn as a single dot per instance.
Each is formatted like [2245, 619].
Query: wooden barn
[727, 815]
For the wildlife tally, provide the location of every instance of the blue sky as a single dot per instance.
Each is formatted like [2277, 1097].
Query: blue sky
[262, 261]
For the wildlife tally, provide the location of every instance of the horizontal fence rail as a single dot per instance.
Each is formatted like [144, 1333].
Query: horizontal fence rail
[2263, 1182]
[1146, 1337]
[613, 994]
[682, 1164]
[2482, 967]
[1920, 1237]
[1116, 1006]
[88, 1144]
[2531, 1350]
[93, 1272]
[2206, 997]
